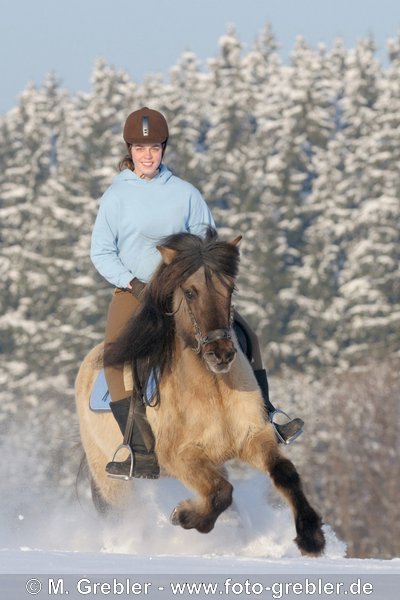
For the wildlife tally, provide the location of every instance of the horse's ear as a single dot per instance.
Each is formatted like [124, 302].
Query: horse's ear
[167, 254]
[236, 241]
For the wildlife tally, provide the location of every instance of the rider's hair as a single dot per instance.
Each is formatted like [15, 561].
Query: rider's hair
[126, 162]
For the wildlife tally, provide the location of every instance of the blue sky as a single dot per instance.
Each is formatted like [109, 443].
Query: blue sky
[148, 36]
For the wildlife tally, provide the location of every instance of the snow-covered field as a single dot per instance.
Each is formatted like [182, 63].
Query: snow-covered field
[254, 537]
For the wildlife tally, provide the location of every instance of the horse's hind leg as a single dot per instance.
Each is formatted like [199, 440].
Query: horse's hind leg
[197, 472]
[262, 452]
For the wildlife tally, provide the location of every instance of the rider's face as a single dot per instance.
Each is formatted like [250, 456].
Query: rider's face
[146, 158]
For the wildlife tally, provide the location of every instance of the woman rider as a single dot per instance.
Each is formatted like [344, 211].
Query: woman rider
[144, 204]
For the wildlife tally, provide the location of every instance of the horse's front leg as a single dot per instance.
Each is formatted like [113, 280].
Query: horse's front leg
[262, 452]
[194, 469]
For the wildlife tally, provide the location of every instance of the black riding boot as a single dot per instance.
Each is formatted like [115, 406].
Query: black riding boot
[286, 432]
[143, 461]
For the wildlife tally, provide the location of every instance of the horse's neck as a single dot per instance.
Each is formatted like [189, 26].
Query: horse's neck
[188, 364]
[189, 371]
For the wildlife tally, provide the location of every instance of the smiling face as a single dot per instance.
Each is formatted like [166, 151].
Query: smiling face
[146, 159]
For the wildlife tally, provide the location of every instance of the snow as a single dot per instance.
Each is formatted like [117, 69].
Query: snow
[258, 524]
[253, 538]
[38, 562]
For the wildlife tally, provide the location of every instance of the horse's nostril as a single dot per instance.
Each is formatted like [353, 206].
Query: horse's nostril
[221, 357]
[229, 355]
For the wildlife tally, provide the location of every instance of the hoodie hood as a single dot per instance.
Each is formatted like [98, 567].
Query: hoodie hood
[161, 178]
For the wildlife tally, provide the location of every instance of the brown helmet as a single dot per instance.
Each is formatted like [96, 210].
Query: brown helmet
[146, 126]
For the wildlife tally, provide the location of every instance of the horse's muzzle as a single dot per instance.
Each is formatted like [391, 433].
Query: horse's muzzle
[219, 355]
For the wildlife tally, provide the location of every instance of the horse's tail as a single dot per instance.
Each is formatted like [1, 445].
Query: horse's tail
[82, 474]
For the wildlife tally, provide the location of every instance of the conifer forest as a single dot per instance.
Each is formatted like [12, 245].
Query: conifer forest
[302, 158]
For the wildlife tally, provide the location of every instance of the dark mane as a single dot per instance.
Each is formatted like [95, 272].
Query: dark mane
[148, 340]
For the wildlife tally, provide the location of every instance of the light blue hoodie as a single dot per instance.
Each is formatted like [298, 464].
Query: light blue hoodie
[134, 215]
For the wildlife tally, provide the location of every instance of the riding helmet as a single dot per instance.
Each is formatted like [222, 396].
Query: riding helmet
[146, 126]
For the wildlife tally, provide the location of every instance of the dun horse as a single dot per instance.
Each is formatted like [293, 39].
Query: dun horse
[210, 409]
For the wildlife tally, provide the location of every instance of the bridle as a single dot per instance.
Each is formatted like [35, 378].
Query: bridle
[213, 335]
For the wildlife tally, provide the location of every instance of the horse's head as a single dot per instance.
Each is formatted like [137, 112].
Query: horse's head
[201, 277]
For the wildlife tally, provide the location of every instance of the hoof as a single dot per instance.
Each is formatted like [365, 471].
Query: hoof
[174, 518]
[190, 519]
[314, 547]
[311, 540]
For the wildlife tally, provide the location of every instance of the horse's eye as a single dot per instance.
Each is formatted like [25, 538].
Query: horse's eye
[189, 294]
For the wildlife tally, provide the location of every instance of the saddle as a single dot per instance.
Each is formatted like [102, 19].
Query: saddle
[100, 397]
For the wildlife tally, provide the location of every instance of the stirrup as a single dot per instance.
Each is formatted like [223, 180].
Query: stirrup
[132, 457]
[294, 432]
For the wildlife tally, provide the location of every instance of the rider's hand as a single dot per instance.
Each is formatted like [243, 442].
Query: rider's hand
[136, 288]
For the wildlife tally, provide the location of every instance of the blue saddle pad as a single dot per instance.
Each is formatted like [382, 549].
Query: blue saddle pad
[100, 397]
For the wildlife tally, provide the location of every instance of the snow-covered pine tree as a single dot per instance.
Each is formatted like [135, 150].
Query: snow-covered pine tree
[300, 124]
[370, 278]
[31, 132]
[317, 275]
[230, 128]
[103, 112]
[184, 104]
[255, 217]
[340, 288]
